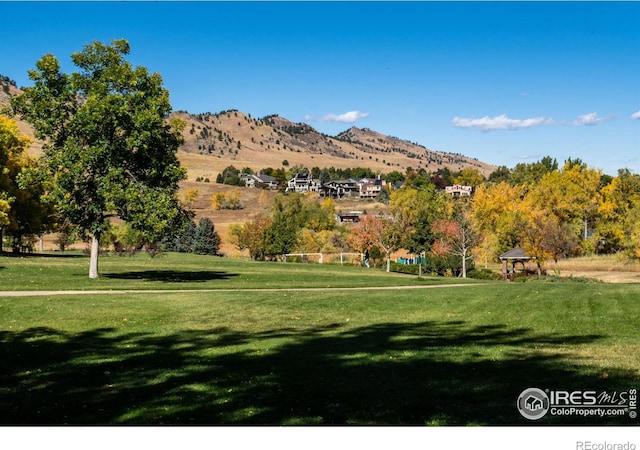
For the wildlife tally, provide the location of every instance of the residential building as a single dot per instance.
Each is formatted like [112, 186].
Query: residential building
[340, 189]
[458, 190]
[259, 181]
[303, 182]
[370, 188]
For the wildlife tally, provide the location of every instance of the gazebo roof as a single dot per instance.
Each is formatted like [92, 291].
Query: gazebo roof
[516, 253]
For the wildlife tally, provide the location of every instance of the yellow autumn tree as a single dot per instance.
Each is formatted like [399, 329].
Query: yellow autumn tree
[617, 210]
[13, 158]
[498, 216]
[226, 200]
[189, 197]
[469, 176]
[571, 194]
[217, 200]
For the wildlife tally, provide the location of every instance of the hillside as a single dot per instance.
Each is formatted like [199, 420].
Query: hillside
[215, 141]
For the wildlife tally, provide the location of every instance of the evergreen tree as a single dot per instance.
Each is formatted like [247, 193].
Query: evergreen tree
[206, 240]
[181, 242]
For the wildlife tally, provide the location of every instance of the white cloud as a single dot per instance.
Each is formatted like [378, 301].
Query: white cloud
[635, 115]
[501, 122]
[591, 119]
[348, 117]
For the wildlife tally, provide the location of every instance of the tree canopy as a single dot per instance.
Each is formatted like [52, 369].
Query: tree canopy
[13, 158]
[110, 145]
[21, 211]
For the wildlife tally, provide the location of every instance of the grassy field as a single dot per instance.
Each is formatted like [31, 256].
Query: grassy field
[438, 356]
[184, 271]
[609, 268]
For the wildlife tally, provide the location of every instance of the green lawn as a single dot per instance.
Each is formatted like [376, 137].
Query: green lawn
[184, 271]
[441, 356]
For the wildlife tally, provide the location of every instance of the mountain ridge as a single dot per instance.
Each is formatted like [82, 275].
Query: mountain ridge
[213, 141]
[238, 138]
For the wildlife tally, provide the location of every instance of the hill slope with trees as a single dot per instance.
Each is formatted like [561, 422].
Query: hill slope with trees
[213, 141]
[233, 137]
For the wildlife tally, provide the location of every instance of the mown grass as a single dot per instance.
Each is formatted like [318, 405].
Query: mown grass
[185, 271]
[440, 356]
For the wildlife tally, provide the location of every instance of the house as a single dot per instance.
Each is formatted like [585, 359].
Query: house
[303, 182]
[259, 181]
[458, 190]
[250, 180]
[370, 188]
[340, 188]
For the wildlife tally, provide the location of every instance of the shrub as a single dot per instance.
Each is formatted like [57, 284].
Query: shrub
[483, 274]
[448, 266]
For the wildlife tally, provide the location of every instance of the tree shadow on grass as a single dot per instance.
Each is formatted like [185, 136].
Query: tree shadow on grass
[172, 276]
[444, 373]
[43, 255]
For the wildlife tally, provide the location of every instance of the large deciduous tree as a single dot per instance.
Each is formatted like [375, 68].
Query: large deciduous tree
[254, 236]
[287, 220]
[417, 210]
[570, 194]
[498, 217]
[110, 145]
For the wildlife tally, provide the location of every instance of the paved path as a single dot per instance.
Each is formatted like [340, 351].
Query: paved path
[186, 291]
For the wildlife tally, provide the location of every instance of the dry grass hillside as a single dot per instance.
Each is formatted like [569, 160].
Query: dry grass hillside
[608, 268]
[214, 141]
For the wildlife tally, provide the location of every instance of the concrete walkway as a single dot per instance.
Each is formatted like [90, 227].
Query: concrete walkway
[186, 291]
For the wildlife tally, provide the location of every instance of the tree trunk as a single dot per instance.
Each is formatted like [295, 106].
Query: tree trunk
[388, 262]
[95, 250]
[41, 247]
[1, 238]
[464, 264]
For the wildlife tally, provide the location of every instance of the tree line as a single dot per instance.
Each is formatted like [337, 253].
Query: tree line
[232, 176]
[549, 210]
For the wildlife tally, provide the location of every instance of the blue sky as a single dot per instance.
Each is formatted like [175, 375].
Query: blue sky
[504, 82]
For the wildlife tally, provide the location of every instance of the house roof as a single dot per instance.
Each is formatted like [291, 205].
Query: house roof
[516, 253]
[350, 181]
[267, 178]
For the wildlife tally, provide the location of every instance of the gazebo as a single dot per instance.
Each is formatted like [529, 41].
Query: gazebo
[513, 257]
